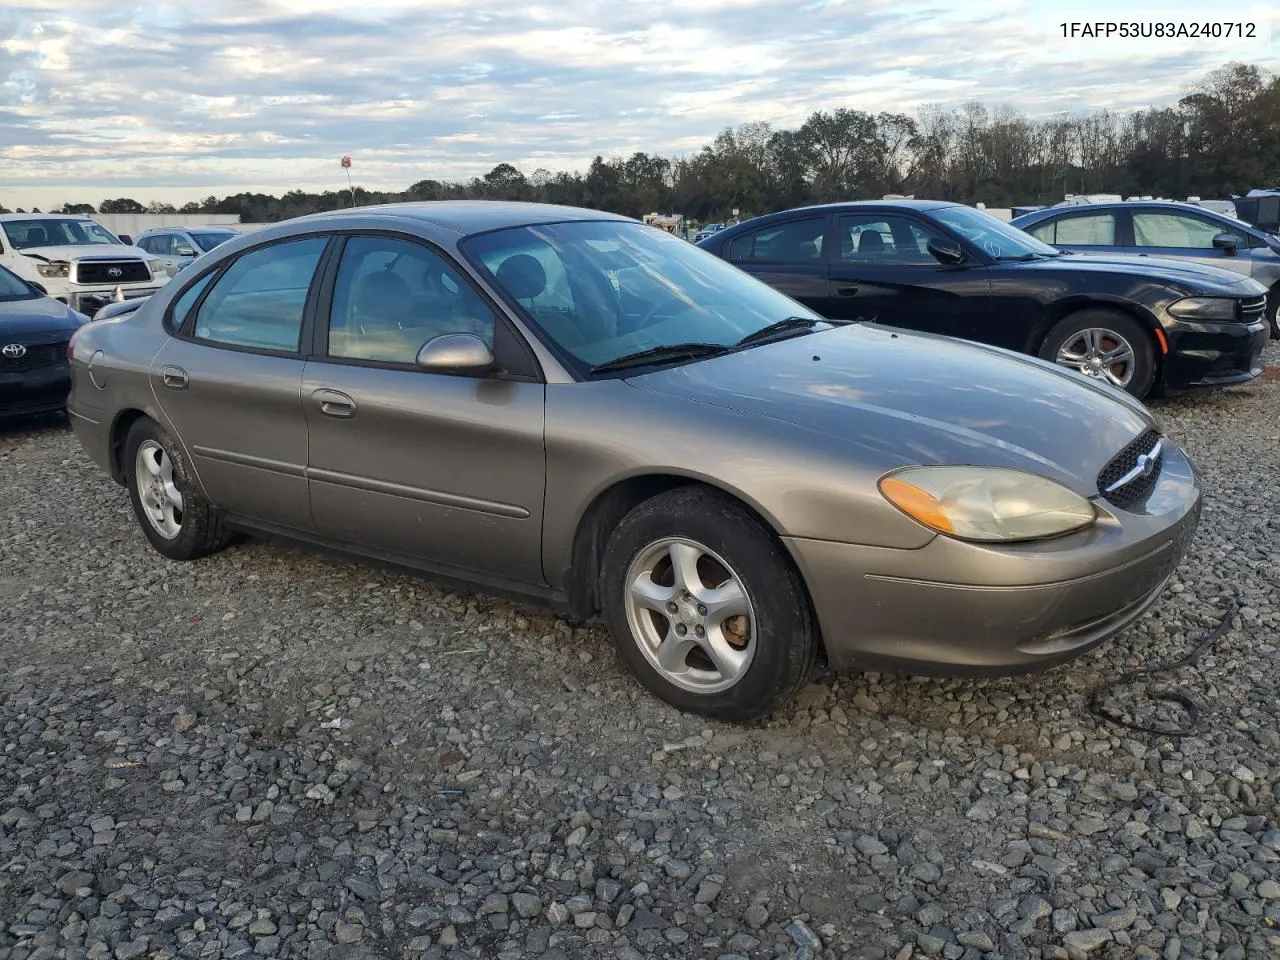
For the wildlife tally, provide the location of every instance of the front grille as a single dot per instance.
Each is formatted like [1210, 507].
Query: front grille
[44, 355]
[1254, 310]
[1139, 488]
[99, 271]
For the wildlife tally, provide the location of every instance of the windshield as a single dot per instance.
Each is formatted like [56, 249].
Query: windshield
[208, 239]
[11, 288]
[992, 236]
[600, 290]
[55, 233]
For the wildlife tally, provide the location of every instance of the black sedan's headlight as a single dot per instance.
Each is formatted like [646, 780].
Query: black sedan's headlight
[1215, 309]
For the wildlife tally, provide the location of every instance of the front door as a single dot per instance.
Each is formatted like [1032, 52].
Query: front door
[447, 470]
[1186, 236]
[230, 383]
[882, 272]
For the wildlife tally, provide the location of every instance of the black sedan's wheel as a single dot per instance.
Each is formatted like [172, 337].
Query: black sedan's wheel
[1104, 345]
[704, 607]
[1273, 308]
[173, 515]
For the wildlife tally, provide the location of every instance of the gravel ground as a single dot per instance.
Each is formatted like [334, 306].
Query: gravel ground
[280, 754]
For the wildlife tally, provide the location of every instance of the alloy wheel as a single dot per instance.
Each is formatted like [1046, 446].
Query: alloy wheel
[158, 493]
[690, 615]
[1101, 354]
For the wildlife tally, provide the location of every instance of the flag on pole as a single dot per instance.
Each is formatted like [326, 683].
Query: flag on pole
[346, 163]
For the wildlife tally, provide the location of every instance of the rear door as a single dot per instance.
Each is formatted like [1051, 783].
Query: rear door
[230, 382]
[789, 255]
[883, 272]
[1089, 231]
[1187, 236]
[443, 469]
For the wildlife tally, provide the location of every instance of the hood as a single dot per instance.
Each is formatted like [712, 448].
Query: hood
[43, 315]
[76, 251]
[900, 399]
[1194, 278]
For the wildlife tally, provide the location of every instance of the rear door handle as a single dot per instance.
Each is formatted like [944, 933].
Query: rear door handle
[175, 378]
[847, 290]
[332, 403]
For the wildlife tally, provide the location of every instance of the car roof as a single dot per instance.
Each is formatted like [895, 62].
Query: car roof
[44, 216]
[1122, 205]
[469, 216]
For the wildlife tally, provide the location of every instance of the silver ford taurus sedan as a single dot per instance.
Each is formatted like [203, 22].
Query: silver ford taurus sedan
[570, 405]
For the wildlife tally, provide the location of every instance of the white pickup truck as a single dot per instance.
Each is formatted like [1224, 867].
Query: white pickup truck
[76, 260]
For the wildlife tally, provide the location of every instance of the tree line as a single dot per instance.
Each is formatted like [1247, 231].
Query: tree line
[1222, 137]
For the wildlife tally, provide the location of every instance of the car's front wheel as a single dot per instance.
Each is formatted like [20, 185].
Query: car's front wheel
[174, 517]
[1273, 311]
[704, 606]
[1104, 345]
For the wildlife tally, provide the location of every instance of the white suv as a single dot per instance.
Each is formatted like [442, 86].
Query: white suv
[76, 260]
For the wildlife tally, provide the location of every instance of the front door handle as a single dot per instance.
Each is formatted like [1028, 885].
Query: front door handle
[175, 378]
[847, 290]
[332, 403]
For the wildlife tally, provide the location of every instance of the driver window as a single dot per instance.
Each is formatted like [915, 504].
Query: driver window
[393, 296]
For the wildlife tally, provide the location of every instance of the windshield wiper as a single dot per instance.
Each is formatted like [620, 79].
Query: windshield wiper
[776, 330]
[1023, 258]
[670, 351]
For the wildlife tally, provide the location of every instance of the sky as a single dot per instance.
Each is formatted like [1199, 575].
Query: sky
[177, 101]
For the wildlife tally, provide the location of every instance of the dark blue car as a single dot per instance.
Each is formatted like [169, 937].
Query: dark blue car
[34, 332]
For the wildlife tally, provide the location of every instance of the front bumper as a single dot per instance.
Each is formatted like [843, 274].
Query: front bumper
[89, 300]
[1213, 355]
[41, 390]
[962, 608]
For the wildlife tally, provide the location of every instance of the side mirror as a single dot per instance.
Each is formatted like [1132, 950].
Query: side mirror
[125, 239]
[1226, 242]
[455, 352]
[945, 251]
[186, 252]
[38, 286]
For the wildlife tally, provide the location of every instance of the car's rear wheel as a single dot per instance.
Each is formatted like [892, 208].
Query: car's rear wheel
[1106, 346]
[704, 606]
[173, 515]
[1273, 308]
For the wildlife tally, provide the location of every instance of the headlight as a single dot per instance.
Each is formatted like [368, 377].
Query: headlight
[157, 267]
[1205, 308]
[58, 269]
[987, 503]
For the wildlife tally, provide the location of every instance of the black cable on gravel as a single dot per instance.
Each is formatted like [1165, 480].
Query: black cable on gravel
[1189, 704]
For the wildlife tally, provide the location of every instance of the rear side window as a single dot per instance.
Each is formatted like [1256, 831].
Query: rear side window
[1093, 230]
[796, 241]
[186, 300]
[258, 301]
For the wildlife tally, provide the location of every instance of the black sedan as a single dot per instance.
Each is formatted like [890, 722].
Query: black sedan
[34, 332]
[945, 268]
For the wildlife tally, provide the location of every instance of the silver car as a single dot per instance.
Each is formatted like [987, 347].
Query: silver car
[568, 405]
[1168, 230]
[176, 247]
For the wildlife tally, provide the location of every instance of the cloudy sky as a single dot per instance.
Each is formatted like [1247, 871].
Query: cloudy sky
[175, 101]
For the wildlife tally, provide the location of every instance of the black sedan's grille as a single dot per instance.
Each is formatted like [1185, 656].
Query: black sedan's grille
[1253, 310]
[1124, 464]
[111, 271]
[44, 355]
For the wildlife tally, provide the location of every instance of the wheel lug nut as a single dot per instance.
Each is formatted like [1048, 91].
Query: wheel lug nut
[699, 631]
[702, 611]
[681, 629]
[671, 607]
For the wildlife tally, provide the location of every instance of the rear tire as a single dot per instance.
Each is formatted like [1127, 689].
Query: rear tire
[174, 516]
[705, 608]
[1104, 345]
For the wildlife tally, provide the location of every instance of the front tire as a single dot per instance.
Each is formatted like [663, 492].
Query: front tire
[1104, 345]
[1273, 308]
[174, 517]
[705, 608]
